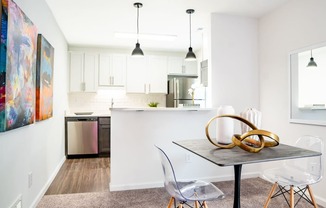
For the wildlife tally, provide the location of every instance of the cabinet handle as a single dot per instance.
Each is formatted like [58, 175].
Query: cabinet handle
[149, 88]
[144, 88]
[112, 80]
[83, 86]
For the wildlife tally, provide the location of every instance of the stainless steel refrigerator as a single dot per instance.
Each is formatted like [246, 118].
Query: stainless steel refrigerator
[178, 95]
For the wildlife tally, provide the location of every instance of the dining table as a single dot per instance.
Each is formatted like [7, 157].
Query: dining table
[237, 157]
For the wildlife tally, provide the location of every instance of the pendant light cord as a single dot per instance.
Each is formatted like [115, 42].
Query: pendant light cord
[137, 23]
[190, 28]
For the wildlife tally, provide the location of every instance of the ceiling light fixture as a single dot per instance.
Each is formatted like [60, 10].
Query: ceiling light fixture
[158, 37]
[137, 52]
[311, 63]
[190, 55]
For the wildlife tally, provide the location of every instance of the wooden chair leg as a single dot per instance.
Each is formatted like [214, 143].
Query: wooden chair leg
[196, 204]
[312, 197]
[205, 205]
[270, 195]
[170, 202]
[291, 197]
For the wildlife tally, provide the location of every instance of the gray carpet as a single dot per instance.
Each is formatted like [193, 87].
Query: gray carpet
[254, 192]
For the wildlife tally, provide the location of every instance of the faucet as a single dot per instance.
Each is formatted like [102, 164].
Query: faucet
[112, 102]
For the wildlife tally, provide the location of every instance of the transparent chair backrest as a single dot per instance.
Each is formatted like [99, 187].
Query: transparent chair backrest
[309, 165]
[170, 182]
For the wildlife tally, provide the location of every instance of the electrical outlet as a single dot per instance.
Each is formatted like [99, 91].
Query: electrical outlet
[30, 179]
[187, 158]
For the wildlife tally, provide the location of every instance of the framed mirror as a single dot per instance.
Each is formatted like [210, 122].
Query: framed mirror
[308, 85]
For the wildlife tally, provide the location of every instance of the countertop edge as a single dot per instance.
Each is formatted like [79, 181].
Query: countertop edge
[162, 109]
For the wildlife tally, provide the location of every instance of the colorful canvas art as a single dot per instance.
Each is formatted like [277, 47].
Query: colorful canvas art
[18, 65]
[44, 79]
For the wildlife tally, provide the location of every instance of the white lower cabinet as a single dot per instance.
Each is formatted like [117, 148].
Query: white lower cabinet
[147, 74]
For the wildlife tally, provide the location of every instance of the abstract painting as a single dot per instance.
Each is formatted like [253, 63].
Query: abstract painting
[18, 67]
[44, 79]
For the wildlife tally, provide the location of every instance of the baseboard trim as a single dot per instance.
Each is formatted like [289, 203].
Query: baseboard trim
[320, 200]
[133, 186]
[48, 183]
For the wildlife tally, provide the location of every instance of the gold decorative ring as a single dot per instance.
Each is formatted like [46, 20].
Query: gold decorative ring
[265, 133]
[252, 147]
[228, 146]
[244, 141]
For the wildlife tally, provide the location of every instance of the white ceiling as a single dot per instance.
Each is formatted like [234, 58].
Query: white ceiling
[93, 23]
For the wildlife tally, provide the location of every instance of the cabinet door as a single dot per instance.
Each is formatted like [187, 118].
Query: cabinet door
[175, 65]
[112, 70]
[136, 75]
[157, 74]
[76, 71]
[105, 78]
[118, 69]
[191, 67]
[90, 72]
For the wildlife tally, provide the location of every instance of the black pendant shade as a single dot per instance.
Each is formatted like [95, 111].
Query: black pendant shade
[137, 52]
[190, 55]
[312, 63]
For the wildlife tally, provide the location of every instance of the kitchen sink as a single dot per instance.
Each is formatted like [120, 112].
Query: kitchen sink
[83, 113]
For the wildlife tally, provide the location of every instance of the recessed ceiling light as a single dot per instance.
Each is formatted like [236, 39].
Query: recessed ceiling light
[159, 37]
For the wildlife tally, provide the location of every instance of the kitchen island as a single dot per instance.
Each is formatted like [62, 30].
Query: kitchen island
[135, 162]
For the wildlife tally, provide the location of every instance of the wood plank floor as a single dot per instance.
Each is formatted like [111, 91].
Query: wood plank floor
[81, 175]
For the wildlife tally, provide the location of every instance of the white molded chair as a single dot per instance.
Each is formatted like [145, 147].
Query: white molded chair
[296, 176]
[195, 191]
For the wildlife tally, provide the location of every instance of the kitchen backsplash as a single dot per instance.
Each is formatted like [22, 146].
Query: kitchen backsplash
[101, 101]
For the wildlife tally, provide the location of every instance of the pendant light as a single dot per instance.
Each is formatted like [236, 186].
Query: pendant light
[190, 55]
[137, 52]
[311, 63]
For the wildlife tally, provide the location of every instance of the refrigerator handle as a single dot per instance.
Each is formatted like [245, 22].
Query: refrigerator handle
[176, 89]
[176, 103]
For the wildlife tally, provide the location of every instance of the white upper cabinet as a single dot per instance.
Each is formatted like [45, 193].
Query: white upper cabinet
[177, 65]
[190, 67]
[147, 74]
[112, 70]
[136, 75]
[157, 74]
[83, 72]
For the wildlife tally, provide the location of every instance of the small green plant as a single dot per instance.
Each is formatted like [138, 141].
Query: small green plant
[153, 104]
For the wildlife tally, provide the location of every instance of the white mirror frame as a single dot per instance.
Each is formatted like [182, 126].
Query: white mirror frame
[296, 114]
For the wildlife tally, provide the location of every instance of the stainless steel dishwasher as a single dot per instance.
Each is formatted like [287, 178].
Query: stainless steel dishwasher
[81, 136]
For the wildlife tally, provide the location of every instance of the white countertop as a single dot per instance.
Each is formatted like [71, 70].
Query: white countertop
[162, 109]
[88, 113]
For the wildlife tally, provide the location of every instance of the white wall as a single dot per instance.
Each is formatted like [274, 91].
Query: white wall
[37, 148]
[295, 25]
[234, 65]
[234, 61]
[135, 161]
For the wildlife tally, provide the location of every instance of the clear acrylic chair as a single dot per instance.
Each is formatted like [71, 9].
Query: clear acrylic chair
[185, 192]
[294, 177]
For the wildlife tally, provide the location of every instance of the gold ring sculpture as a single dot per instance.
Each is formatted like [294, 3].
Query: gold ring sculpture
[244, 141]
